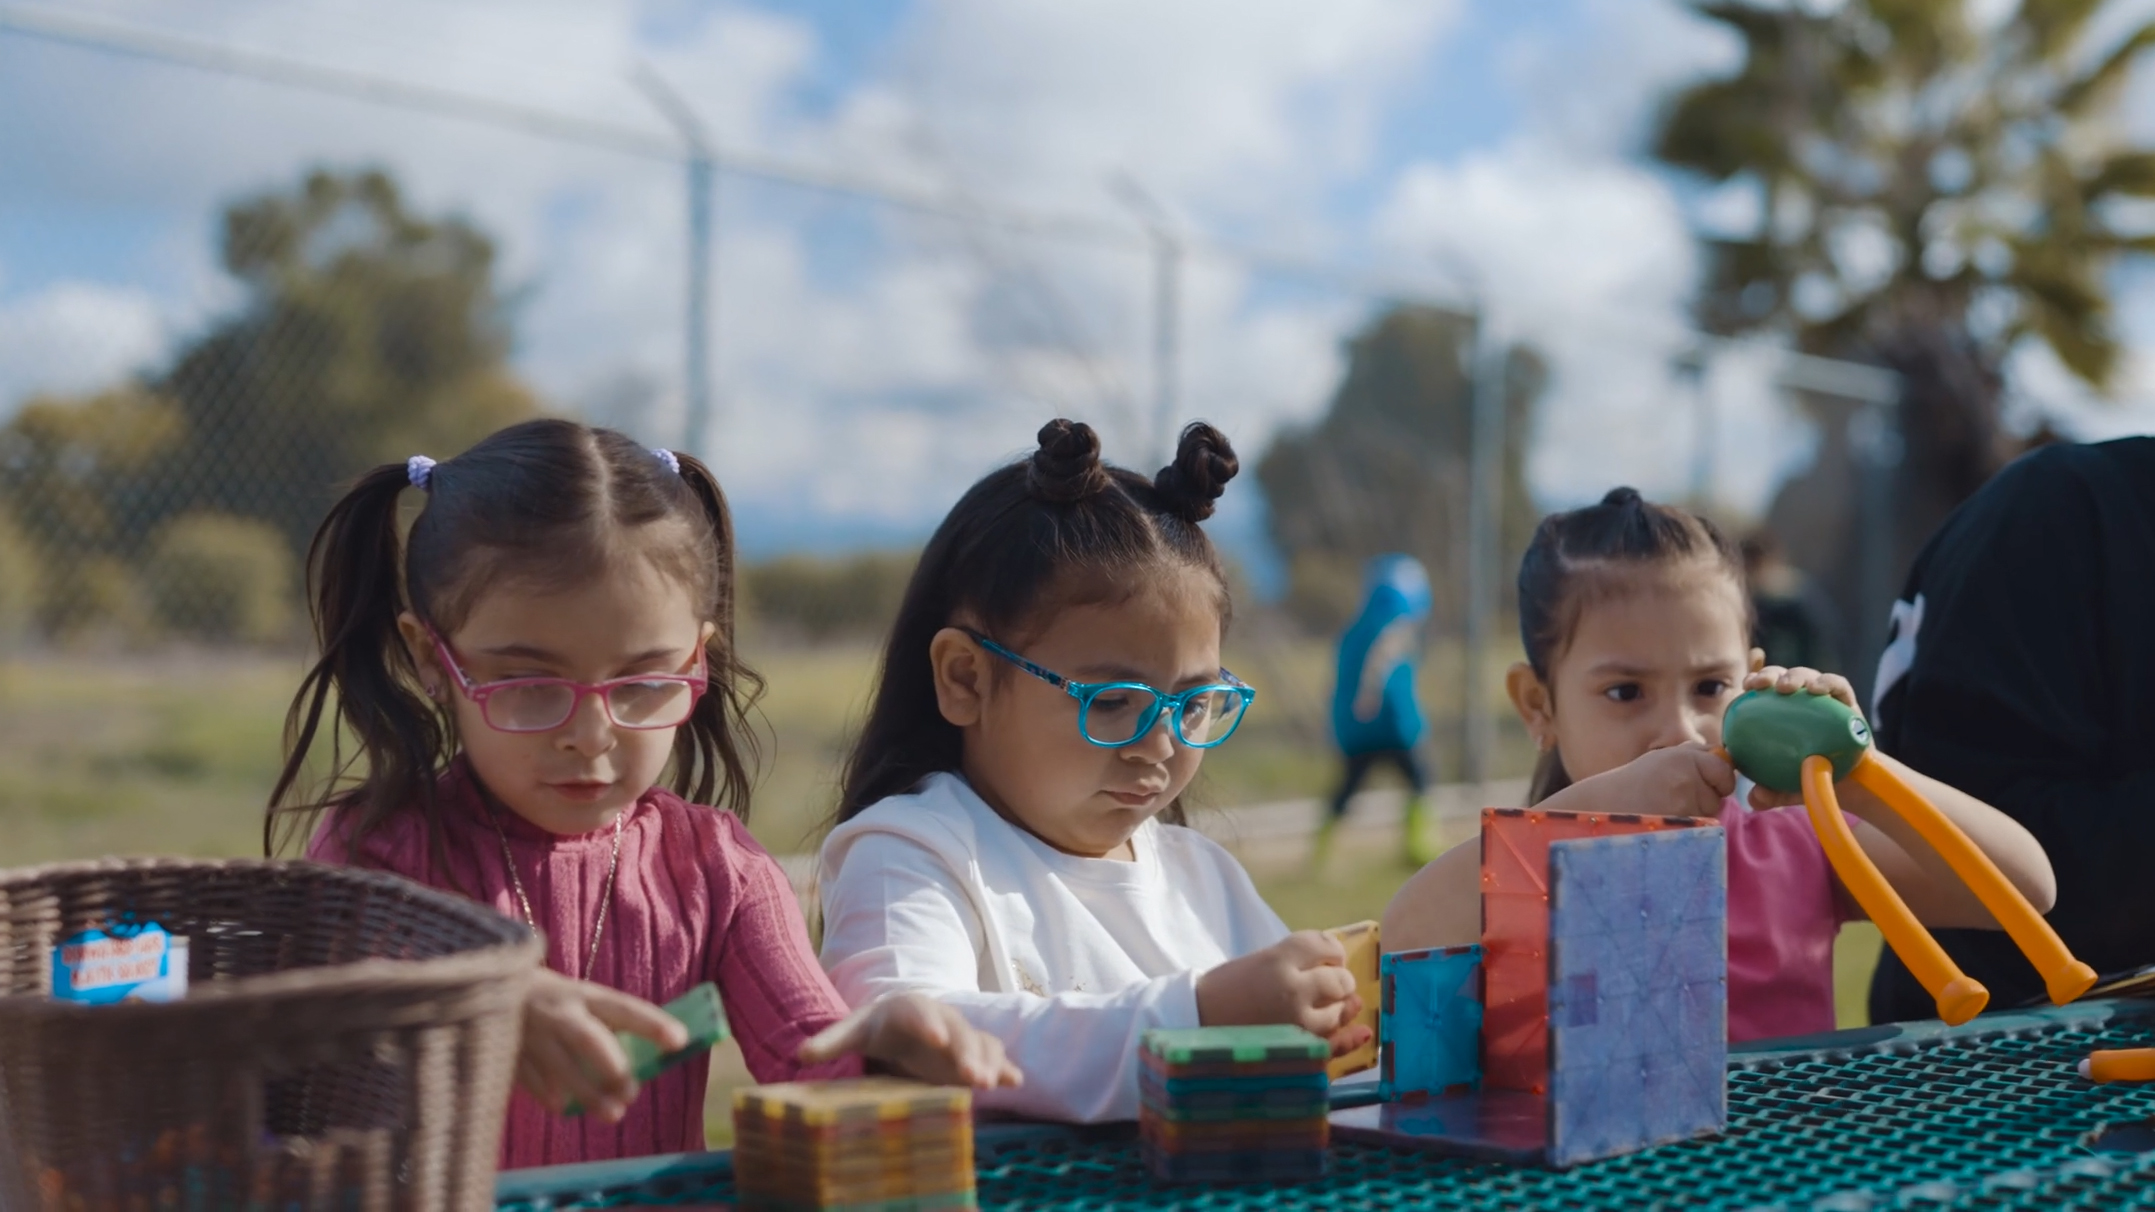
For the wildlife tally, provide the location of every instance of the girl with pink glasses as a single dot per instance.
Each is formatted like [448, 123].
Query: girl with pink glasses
[542, 692]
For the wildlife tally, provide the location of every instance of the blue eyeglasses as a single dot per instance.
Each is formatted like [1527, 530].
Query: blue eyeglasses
[1114, 714]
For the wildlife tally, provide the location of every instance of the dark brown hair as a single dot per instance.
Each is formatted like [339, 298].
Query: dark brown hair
[1570, 564]
[541, 505]
[1059, 525]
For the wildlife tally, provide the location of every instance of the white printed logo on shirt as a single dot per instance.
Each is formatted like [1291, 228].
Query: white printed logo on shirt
[1899, 656]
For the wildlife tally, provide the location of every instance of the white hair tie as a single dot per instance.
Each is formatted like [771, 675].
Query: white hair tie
[667, 457]
[419, 469]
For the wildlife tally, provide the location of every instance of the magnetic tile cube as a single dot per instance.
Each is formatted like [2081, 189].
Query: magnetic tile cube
[1638, 991]
[864, 1142]
[1233, 1104]
[1431, 1021]
[1360, 940]
[1515, 930]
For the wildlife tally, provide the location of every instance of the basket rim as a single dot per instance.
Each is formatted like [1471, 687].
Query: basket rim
[356, 979]
[517, 948]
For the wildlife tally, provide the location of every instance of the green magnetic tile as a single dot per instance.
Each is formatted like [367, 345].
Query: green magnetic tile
[1216, 1045]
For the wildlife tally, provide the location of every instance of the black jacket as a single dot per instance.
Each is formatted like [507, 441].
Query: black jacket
[2032, 687]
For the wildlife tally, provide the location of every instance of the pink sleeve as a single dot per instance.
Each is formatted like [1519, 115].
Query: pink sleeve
[776, 994]
[398, 846]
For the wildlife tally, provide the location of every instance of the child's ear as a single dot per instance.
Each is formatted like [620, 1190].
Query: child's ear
[1530, 697]
[960, 676]
[420, 645]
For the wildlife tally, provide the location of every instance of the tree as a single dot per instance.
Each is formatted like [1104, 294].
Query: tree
[365, 333]
[1386, 468]
[1934, 195]
[369, 333]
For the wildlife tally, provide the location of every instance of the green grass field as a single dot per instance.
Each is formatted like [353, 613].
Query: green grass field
[176, 754]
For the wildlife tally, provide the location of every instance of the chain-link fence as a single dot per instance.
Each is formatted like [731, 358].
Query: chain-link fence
[176, 418]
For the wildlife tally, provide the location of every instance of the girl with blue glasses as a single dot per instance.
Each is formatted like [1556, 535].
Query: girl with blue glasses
[1010, 834]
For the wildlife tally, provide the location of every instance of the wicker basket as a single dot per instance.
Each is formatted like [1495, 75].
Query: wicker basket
[347, 1041]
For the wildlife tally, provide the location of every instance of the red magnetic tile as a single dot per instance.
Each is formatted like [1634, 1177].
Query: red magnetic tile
[1515, 931]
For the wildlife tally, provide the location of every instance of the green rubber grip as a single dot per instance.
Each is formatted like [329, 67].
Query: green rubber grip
[1768, 734]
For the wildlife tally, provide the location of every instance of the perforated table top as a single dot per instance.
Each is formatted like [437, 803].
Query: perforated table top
[1987, 1115]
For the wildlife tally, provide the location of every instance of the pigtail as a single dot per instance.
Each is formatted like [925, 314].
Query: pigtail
[363, 680]
[715, 752]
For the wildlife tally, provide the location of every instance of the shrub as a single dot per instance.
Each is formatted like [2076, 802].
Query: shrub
[222, 579]
[820, 598]
[19, 584]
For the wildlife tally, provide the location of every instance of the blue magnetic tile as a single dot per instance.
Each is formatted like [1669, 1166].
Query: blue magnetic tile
[1638, 991]
[1430, 1022]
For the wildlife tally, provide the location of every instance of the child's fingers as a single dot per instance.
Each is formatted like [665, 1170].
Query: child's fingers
[983, 1062]
[1802, 677]
[1329, 986]
[534, 1083]
[844, 1036]
[1840, 688]
[1349, 1037]
[1757, 660]
[924, 1018]
[564, 1070]
[1717, 773]
[1314, 948]
[1766, 798]
[626, 1012]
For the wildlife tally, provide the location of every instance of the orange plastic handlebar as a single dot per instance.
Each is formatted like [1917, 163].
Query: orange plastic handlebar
[2121, 1065]
[2064, 977]
[1959, 996]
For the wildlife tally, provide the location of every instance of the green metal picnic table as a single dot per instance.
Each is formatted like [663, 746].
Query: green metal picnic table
[1919, 1115]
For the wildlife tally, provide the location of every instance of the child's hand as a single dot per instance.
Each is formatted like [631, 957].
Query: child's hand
[1302, 980]
[570, 1053]
[1793, 681]
[921, 1038]
[1681, 780]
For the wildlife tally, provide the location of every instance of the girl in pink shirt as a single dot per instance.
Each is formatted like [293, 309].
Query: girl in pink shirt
[542, 693]
[1637, 632]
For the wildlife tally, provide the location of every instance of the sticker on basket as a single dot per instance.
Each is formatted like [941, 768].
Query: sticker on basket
[128, 962]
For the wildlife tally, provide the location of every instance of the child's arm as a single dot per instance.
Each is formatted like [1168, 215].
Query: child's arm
[1932, 891]
[1440, 905]
[895, 920]
[792, 1023]
[920, 1037]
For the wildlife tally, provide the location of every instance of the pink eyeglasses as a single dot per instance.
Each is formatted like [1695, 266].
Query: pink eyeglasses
[644, 701]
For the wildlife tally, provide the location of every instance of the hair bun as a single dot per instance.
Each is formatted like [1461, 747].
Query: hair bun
[1204, 463]
[1621, 497]
[1067, 466]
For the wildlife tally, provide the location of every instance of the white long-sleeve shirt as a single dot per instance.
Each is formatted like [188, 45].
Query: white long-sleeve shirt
[1067, 960]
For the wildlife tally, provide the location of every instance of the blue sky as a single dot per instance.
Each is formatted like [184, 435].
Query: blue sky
[871, 363]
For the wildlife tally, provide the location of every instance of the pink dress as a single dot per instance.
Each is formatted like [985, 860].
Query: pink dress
[1784, 909]
[695, 899]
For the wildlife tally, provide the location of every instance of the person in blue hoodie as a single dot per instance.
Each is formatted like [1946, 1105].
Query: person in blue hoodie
[1376, 717]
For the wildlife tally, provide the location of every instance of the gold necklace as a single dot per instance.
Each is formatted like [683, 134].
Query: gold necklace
[606, 894]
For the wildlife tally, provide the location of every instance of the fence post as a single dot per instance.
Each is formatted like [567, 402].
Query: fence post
[1485, 504]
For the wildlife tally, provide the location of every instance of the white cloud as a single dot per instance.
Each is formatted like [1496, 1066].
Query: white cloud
[74, 337]
[875, 388]
[1588, 261]
[1594, 83]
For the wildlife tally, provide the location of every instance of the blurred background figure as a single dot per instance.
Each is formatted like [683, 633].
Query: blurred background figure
[1376, 714]
[1791, 618]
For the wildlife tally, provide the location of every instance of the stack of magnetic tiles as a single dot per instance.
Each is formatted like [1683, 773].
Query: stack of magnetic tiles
[874, 1142]
[1221, 1104]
